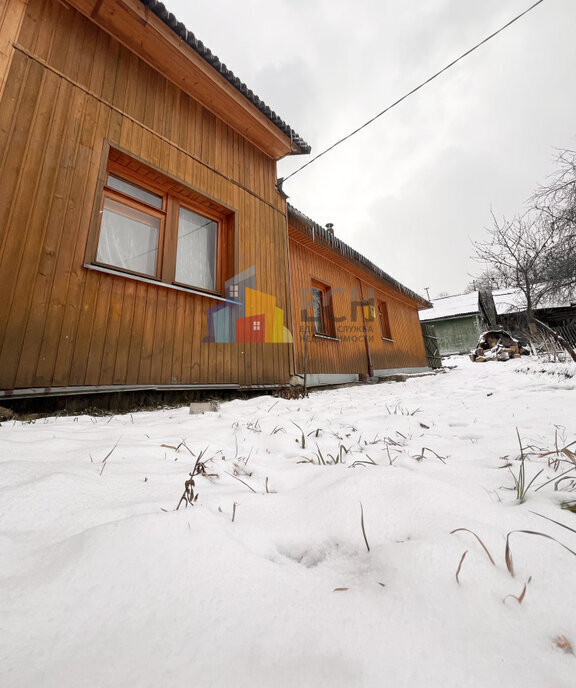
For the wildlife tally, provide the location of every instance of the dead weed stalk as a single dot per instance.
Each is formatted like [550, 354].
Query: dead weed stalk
[362, 526]
[107, 457]
[422, 455]
[460, 566]
[467, 530]
[508, 551]
[189, 496]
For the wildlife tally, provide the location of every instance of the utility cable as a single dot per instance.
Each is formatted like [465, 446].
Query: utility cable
[407, 95]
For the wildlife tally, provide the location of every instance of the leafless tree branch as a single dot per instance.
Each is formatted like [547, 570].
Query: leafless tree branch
[536, 251]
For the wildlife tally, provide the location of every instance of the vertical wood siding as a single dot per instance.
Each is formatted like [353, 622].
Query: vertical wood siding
[348, 355]
[11, 16]
[70, 88]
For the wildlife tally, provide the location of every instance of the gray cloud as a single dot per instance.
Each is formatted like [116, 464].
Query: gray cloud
[408, 190]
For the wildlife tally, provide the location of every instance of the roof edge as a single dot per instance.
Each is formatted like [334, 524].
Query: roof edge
[351, 254]
[450, 317]
[160, 10]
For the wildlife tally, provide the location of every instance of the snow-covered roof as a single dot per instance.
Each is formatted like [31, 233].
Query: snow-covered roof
[452, 307]
[514, 301]
[508, 301]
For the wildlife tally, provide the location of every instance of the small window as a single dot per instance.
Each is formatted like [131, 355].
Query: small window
[134, 191]
[322, 311]
[384, 320]
[152, 227]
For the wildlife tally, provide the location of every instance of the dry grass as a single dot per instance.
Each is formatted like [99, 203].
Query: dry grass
[107, 457]
[422, 455]
[555, 458]
[460, 566]
[362, 526]
[466, 530]
[520, 597]
[508, 551]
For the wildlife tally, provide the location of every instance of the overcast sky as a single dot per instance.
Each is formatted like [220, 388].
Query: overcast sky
[413, 189]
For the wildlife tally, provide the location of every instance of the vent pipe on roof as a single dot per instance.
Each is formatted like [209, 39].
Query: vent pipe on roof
[330, 228]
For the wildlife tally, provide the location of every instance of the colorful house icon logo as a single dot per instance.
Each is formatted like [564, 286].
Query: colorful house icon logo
[249, 315]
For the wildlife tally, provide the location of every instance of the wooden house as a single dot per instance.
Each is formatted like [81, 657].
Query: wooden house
[143, 240]
[114, 118]
[351, 320]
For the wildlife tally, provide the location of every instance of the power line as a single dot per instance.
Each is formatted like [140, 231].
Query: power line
[407, 95]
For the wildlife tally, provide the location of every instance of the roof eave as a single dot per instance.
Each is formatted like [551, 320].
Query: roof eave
[348, 253]
[147, 29]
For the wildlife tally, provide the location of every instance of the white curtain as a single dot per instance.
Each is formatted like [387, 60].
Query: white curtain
[128, 238]
[196, 252]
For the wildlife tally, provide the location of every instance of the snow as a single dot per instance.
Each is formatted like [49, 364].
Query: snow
[104, 583]
[452, 307]
[509, 301]
[505, 300]
[514, 301]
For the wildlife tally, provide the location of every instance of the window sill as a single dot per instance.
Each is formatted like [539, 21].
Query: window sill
[157, 283]
[325, 336]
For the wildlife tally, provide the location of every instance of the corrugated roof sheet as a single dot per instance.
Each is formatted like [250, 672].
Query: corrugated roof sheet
[188, 37]
[452, 307]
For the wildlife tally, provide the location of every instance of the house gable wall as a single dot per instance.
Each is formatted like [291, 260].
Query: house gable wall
[71, 92]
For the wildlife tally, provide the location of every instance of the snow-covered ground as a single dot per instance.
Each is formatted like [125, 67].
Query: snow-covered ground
[269, 582]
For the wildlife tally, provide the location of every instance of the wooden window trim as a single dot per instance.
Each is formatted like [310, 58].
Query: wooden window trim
[124, 178]
[327, 311]
[384, 320]
[220, 231]
[144, 208]
[157, 283]
[175, 195]
[326, 336]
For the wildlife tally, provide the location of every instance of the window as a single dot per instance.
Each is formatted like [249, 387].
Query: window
[384, 320]
[322, 312]
[196, 250]
[129, 231]
[152, 226]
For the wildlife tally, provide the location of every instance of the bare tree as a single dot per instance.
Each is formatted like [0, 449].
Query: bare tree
[556, 200]
[536, 252]
[533, 253]
[488, 280]
[556, 204]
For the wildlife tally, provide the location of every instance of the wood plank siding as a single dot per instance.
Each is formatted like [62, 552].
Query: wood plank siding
[313, 260]
[70, 93]
[11, 16]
